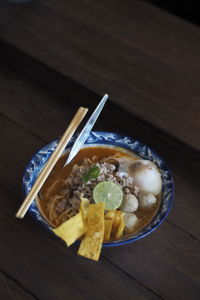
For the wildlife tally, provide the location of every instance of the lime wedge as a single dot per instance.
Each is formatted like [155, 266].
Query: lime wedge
[108, 192]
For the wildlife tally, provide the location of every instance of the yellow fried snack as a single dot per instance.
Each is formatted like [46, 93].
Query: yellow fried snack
[107, 229]
[121, 224]
[110, 215]
[117, 217]
[84, 208]
[91, 243]
[71, 229]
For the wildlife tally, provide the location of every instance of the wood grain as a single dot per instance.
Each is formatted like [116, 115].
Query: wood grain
[156, 267]
[11, 290]
[30, 104]
[145, 58]
[50, 270]
[161, 254]
[169, 256]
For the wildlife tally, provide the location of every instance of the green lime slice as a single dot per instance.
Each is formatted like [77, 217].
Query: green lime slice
[108, 192]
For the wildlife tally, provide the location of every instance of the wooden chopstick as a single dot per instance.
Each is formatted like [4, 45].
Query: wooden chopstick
[52, 161]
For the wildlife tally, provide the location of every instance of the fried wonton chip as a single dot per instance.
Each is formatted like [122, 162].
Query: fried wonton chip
[107, 229]
[121, 225]
[91, 243]
[72, 229]
[84, 208]
[117, 218]
[110, 215]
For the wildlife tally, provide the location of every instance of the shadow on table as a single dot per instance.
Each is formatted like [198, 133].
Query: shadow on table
[185, 9]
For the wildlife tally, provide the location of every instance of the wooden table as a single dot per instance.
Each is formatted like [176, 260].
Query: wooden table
[58, 55]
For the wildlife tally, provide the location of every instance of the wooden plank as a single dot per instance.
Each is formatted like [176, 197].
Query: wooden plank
[156, 267]
[14, 153]
[31, 111]
[50, 270]
[186, 10]
[166, 261]
[145, 58]
[167, 252]
[185, 209]
[9, 289]
[47, 126]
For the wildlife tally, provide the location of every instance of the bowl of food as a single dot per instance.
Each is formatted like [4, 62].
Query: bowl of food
[129, 178]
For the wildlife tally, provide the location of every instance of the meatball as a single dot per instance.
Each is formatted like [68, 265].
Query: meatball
[146, 200]
[146, 176]
[130, 221]
[129, 203]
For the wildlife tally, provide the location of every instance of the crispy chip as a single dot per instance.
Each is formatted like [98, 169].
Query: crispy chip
[117, 217]
[91, 243]
[107, 229]
[110, 215]
[71, 230]
[84, 208]
[121, 225]
[96, 213]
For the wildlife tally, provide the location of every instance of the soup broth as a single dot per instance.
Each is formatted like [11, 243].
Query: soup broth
[55, 185]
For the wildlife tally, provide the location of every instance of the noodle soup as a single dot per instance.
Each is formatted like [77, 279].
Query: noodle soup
[60, 197]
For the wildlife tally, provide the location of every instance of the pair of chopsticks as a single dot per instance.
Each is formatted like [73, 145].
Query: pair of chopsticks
[52, 161]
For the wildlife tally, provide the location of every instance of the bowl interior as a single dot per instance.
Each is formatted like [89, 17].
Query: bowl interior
[108, 139]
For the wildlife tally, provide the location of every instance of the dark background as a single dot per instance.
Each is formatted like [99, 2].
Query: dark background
[185, 9]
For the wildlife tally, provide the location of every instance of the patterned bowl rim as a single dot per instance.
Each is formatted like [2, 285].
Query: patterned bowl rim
[112, 139]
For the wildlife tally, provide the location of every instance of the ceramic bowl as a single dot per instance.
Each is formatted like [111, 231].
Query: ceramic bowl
[112, 139]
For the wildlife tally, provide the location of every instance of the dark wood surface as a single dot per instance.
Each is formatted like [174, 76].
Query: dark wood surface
[145, 58]
[38, 97]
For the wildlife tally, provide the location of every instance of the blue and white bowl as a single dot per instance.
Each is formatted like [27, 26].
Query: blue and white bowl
[112, 139]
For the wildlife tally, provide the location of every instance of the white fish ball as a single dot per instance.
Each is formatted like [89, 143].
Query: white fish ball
[146, 200]
[146, 176]
[129, 203]
[130, 221]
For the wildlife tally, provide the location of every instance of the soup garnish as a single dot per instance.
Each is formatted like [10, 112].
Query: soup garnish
[108, 192]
